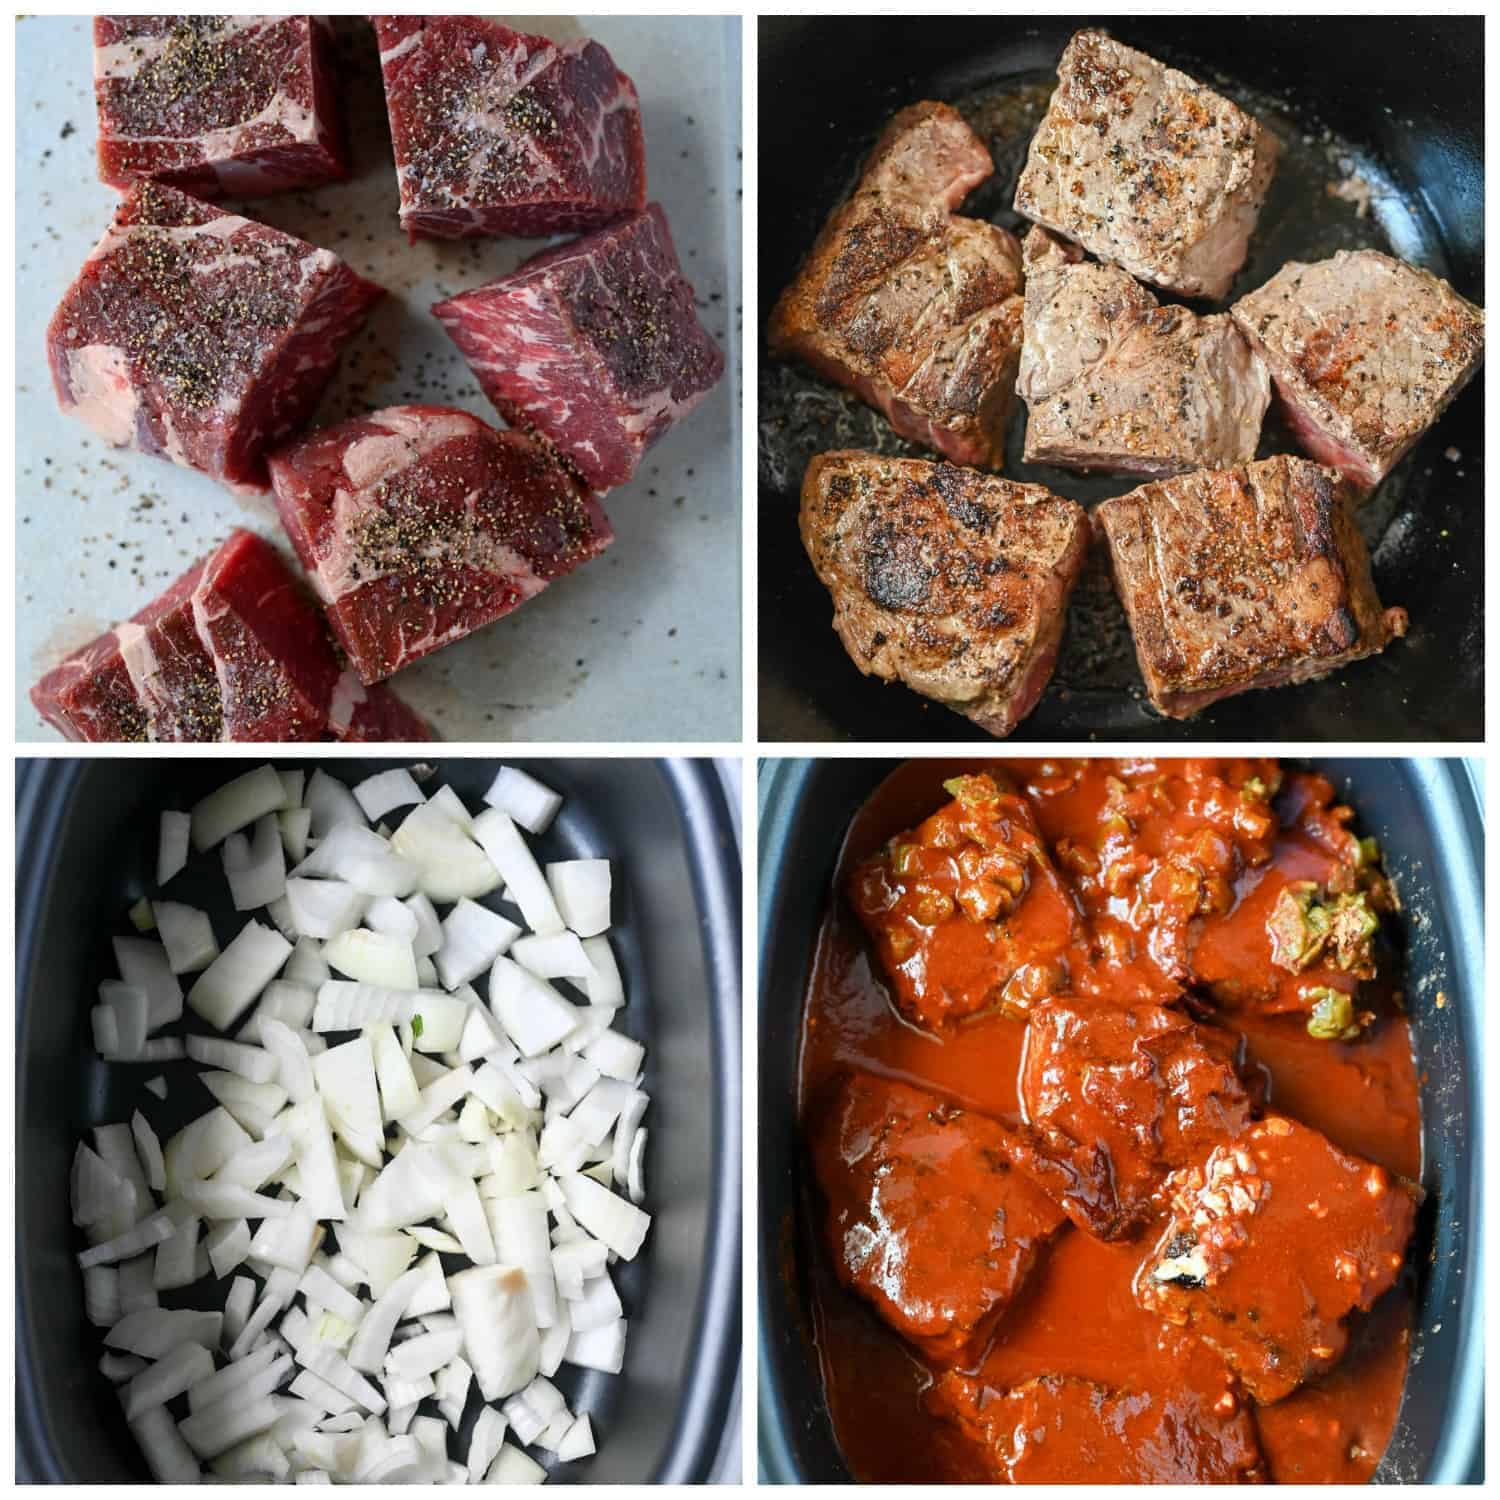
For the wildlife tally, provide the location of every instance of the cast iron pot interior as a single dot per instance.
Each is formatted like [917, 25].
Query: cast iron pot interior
[1427, 819]
[1407, 93]
[86, 851]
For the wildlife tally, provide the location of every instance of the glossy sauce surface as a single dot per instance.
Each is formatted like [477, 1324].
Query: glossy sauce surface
[1076, 1316]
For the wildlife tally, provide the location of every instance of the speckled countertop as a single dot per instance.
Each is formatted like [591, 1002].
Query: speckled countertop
[642, 644]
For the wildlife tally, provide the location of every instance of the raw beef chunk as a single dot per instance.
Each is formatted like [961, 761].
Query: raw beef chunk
[201, 336]
[1243, 578]
[1366, 352]
[1119, 1096]
[419, 524]
[1147, 169]
[1196, 1432]
[234, 650]
[1274, 1240]
[595, 344]
[1115, 382]
[232, 106]
[916, 311]
[368, 713]
[894, 1162]
[497, 132]
[953, 582]
[966, 911]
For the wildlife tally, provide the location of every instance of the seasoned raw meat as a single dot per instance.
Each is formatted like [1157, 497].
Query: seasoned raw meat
[953, 582]
[234, 650]
[1062, 1429]
[419, 524]
[916, 311]
[235, 106]
[595, 344]
[498, 132]
[1117, 1097]
[365, 713]
[1274, 1240]
[201, 336]
[1366, 352]
[1243, 578]
[966, 911]
[1146, 168]
[1115, 382]
[893, 1162]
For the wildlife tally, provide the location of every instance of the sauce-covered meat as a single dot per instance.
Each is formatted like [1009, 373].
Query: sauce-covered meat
[1117, 1097]
[893, 1162]
[966, 910]
[1033, 1433]
[1193, 955]
[1273, 1240]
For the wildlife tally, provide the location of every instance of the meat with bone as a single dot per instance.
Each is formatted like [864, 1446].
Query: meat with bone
[891, 1161]
[1233, 1266]
[419, 524]
[948, 580]
[201, 336]
[1243, 578]
[1147, 169]
[1115, 382]
[498, 132]
[234, 650]
[916, 311]
[596, 345]
[1366, 353]
[235, 106]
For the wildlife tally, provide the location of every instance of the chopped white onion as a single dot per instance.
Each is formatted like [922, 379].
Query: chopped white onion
[255, 867]
[230, 985]
[172, 849]
[524, 882]
[473, 938]
[386, 791]
[581, 889]
[236, 806]
[524, 798]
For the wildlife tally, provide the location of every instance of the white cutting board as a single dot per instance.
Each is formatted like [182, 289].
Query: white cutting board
[641, 644]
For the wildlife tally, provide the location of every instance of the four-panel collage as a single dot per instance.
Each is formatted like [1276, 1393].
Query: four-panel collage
[677, 1042]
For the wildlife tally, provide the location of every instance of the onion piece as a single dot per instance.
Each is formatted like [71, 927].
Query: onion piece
[373, 958]
[395, 919]
[324, 908]
[535, 1017]
[128, 1005]
[168, 1378]
[429, 935]
[106, 1031]
[511, 1466]
[485, 1439]
[254, 1063]
[453, 1395]
[101, 1296]
[228, 1245]
[139, 1237]
[155, 1332]
[385, 791]
[581, 889]
[226, 1424]
[605, 1215]
[493, 1307]
[144, 964]
[636, 1177]
[605, 987]
[473, 938]
[521, 1240]
[236, 805]
[600, 1348]
[361, 858]
[560, 956]
[524, 881]
[294, 825]
[578, 1441]
[629, 1122]
[255, 867]
[187, 936]
[372, 1341]
[230, 985]
[345, 1078]
[331, 804]
[524, 799]
[451, 865]
[170, 1459]
[172, 848]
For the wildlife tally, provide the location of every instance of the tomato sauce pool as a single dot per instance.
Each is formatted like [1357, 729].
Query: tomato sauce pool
[1076, 1315]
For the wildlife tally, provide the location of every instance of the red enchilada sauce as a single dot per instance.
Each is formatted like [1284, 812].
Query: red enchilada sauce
[1194, 948]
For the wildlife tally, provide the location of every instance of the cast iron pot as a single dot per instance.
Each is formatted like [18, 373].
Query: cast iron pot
[85, 850]
[1406, 93]
[1428, 819]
